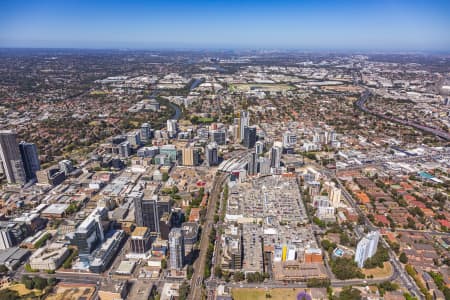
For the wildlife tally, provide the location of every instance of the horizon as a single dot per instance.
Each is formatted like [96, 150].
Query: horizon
[381, 26]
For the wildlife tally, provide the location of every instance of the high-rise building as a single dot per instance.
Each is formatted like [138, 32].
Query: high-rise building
[244, 120]
[211, 152]
[190, 156]
[172, 128]
[219, 136]
[252, 164]
[249, 136]
[140, 240]
[30, 159]
[148, 210]
[89, 235]
[236, 130]
[176, 248]
[146, 132]
[289, 139]
[11, 158]
[259, 147]
[335, 196]
[264, 166]
[134, 138]
[125, 149]
[275, 157]
[367, 247]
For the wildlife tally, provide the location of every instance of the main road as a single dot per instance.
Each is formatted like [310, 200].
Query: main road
[200, 263]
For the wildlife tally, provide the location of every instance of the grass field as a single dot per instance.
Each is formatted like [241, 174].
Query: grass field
[23, 291]
[269, 87]
[260, 294]
[386, 271]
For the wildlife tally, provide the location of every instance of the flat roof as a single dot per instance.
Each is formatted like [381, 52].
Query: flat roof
[56, 209]
[139, 231]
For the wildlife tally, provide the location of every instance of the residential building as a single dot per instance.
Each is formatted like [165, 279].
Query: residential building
[367, 247]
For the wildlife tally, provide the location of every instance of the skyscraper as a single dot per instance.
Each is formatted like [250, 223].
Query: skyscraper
[211, 152]
[190, 156]
[252, 164]
[11, 158]
[146, 132]
[244, 120]
[275, 157]
[367, 247]
[219, 136]
[30, 159]
[148, 210]
[249, 136]
[172, 127]
[176, 248]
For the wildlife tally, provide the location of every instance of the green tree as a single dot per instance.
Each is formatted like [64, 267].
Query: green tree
[164, 264]
[349, 293]
[403, 258]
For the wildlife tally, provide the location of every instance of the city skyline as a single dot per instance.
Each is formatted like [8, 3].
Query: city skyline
[329, 25]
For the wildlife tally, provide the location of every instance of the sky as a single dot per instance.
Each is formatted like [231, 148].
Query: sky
[400, 25]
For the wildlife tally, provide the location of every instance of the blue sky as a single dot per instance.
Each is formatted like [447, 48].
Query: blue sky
[308, 25]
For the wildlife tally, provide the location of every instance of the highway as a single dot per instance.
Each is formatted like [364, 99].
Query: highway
[199, 265]
[360, 103]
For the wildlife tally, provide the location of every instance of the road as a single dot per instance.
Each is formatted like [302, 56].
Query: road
[199, 265]
[360, 103]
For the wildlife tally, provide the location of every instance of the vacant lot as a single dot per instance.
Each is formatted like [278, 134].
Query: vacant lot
[386, 271]
[260, 294]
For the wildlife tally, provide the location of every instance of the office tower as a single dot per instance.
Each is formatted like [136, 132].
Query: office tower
[89, 235]
[146, 132]
[134, 138]
[66, 166]
[190, 156]
[140, 240]
[244, 120]
[275, 157]
[125, 149]
[367, 247]
[148, 210]
[176, 248]
[148, 151]
[259, 147]
[335, 196]
[264, 166]
[219, 136]
[30, 159]
[252, 164]
[172, 128]
[249, 136]
[11, 158]
[5, 240]
[211, 152]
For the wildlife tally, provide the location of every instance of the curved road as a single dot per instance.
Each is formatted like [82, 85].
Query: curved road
[360, 103]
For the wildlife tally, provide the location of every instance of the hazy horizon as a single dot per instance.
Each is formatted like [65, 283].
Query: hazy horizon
[411, 26]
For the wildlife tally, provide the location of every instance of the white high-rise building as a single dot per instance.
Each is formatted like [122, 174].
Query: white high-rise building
[367, 247]
[244, 120]
[335, 196]
[259, 147]
[172, 127]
